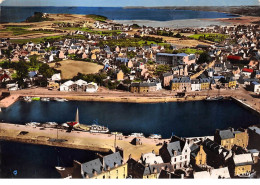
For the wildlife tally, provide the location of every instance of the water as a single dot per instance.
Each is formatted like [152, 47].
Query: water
[185, 119]
[37, 161]
[18, 14]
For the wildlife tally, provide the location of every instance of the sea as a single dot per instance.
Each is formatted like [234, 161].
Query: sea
[185, 119]
[19, 14]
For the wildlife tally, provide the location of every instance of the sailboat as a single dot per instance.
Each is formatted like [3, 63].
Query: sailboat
[76, 122]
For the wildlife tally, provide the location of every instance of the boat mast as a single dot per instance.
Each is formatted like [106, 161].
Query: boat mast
[77, 116]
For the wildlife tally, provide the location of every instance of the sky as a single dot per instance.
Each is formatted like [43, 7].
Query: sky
[122, 3]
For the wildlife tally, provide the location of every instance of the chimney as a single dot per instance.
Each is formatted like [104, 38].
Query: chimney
[130, 156]
[153, 152]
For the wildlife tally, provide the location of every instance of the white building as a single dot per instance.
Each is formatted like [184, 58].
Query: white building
[56, 77]
[221, 173]
[91, 87]
[66, 86]
[177, 153]
[151, 158]
[255, 87]
[195, 85]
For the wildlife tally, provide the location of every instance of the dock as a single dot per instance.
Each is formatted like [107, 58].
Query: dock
[77, 140]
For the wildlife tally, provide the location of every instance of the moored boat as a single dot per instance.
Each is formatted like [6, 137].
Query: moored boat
[98, 129]
[155, 136]
[45, 99]
[136, 135]
[33, 124]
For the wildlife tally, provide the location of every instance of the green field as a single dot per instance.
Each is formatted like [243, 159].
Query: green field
[189, 51]
[21, 30]
[43, 39]
[107, 32]
[214, 37]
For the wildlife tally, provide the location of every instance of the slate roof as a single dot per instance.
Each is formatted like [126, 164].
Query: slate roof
[226, 134]
[150, 169]
[90, 167]
[111, 160]
[167, 74]
[174, 146]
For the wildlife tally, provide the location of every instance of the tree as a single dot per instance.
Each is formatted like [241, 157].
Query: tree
[46, 71]
[22, 73]
[125, 69]
[204, 58]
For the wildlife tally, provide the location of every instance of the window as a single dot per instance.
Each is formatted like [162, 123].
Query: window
[181, 158]
[185, 156]
[104, 176]
[174, 159]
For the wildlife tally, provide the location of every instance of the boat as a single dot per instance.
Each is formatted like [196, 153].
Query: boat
[52, 123]
[98, 129]
[136, 135]
[214, 98]
[65, 125]
[117, 133]
[33, 124]
[45, 99]
[60, 99]
[155, 136]
[27, 99]
[76, 122]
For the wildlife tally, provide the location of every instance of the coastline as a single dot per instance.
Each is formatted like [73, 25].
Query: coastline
[183, 23]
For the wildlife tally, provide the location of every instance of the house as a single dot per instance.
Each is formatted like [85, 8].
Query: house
[232, 83]
[56, 77]
[220, 173]
[255, 87]
[166, 78]
[138, 170]
[254, 137]
[198, 155]
[91, 87]
[241, 165]
[247, 72]
[105, 167]
[182, 84]
[205, 83]
[143, 87]
[151, 158]
[120, 75]
[53, 84]
[175, 59]
[229, 138]
[195, 85]
[217, 156]
[177, 152]
[255, 155]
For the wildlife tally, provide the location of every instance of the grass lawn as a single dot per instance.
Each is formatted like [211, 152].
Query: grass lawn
[70, 68]
[215, 37]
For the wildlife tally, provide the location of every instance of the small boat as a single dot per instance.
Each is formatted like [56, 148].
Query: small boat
[65, 125]
[27, 99]
[33, 124]
[214, 98]
[60, 99]
[136, 135]
[155, 136]
[45, 99]
[98, 129]
[52, 123]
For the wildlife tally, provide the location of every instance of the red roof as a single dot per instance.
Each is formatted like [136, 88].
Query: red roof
[234, 57]
[247, 70]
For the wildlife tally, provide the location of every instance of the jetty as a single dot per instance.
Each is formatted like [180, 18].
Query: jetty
[78, 140]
